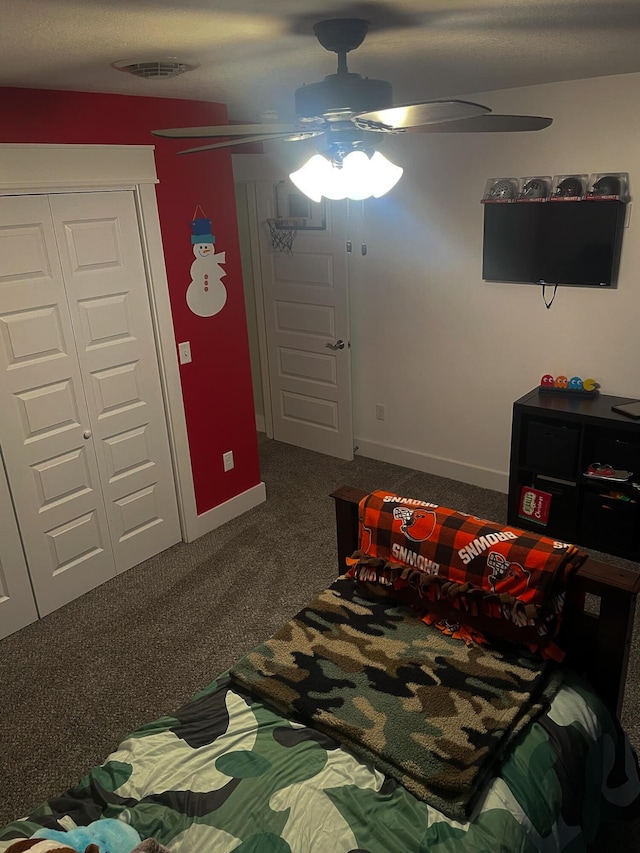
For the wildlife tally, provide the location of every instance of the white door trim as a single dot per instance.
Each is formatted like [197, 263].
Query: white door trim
[254, 225]
[151, 240]
[43, 168]
[27, 169]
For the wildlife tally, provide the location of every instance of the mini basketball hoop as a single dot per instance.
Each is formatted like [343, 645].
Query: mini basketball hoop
[283, 231]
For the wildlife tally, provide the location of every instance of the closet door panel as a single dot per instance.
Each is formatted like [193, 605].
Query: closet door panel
[105, 278]
[17, 605]
[44, 422]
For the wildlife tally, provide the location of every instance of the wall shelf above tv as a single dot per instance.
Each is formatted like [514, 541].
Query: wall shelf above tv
[557, 242]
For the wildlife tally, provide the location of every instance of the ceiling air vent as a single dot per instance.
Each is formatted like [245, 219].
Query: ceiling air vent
[157, 69]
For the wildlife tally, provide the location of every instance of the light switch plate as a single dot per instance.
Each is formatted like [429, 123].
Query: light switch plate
[184, 350]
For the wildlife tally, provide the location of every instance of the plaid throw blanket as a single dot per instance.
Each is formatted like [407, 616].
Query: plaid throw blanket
[478, 565]
[418, 705]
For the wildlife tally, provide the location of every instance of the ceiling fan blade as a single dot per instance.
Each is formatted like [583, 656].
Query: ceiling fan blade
[489, 124]
[224, 130]
[406, 116]
[265, 137]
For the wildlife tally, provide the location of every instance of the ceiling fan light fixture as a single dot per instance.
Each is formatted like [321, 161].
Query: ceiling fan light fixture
[387, 174]
[356, 176]
[311, 178]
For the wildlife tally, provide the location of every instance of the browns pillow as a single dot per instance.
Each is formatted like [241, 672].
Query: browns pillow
[500, 580]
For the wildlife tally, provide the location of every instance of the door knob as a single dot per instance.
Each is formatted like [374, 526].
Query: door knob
[338, 345]
[86, 433]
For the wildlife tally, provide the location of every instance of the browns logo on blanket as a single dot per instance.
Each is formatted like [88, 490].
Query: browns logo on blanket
[477, 567]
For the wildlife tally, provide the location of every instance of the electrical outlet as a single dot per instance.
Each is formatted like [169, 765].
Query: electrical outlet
[184, 350]
[227, 460]
[379, 411]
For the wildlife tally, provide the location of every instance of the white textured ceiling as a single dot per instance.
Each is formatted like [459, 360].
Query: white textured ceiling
[253, 54]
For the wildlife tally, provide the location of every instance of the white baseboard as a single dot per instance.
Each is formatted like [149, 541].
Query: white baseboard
[476, 476]
[228, 510]
[260, 423]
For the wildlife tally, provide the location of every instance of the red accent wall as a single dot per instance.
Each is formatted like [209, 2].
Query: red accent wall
[216, 386]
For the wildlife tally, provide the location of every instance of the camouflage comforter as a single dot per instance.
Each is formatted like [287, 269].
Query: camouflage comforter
[227, 773]
[419, 705]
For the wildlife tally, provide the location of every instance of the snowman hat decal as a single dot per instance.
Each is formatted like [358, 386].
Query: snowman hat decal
[202, 228]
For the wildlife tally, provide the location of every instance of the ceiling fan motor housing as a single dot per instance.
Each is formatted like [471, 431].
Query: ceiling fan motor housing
[341, 35]
[338, 93]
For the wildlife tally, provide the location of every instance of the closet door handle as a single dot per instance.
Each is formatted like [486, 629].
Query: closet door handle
[86, 433]
[337, 345]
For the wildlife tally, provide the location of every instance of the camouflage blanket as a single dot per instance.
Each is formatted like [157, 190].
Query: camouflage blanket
[418, 705]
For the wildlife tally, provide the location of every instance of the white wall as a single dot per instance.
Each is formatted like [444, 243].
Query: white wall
[445, 352]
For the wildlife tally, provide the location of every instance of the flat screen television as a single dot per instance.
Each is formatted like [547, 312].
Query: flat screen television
[576, 243]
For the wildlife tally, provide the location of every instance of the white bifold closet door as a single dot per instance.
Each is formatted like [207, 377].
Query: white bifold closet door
[82, 421]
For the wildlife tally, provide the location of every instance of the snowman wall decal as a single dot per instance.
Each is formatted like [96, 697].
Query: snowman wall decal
[206, 295]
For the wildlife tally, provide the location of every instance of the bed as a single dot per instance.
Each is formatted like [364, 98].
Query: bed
[270, 758]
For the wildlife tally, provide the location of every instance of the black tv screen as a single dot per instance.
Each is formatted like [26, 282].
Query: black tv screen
[575, 243]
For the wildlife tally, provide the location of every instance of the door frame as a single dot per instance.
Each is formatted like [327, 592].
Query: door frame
[258, 294]
[35, 169]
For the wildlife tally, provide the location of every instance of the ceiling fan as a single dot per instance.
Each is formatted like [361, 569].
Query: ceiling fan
[350, 112]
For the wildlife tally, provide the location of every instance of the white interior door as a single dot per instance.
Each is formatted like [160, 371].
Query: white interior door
[45, 432]
[306, 307]
[105, 280]
[17, 604]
